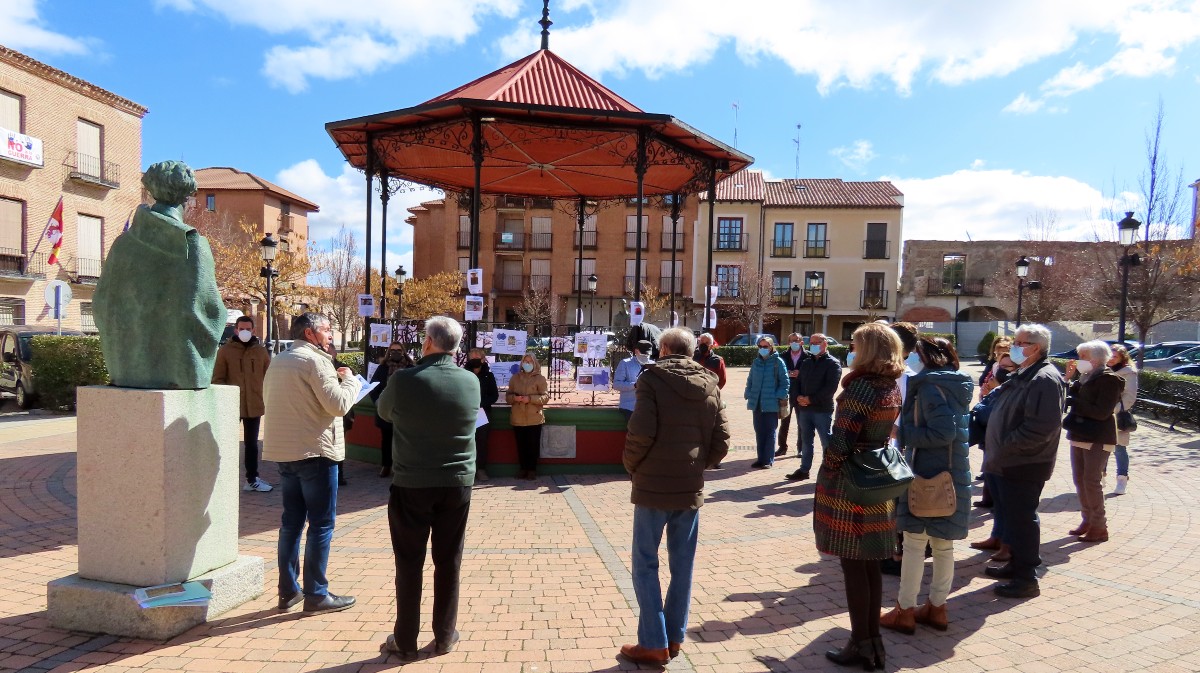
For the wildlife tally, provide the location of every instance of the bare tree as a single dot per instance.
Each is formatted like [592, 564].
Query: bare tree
[654, 302]
[749, 307]
[1069, 279]
[538, 305]
[340, 273]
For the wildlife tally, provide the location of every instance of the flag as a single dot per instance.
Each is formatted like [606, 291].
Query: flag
[126, 226]
[54, 231]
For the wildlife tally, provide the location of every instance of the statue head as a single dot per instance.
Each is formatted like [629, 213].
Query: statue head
[170, 183]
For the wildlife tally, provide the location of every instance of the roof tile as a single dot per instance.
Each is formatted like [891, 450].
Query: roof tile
[222, 177]
[831, 193]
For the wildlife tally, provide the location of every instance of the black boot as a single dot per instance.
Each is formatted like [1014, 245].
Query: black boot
[854, 653]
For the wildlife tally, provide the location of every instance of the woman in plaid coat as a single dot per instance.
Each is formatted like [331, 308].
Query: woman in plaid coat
[861, 536]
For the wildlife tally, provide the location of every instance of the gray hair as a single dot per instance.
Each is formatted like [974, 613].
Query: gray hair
[307, 321]
[1038, 334]
[445, 332]
[1090, 349]
[677, 341]
[705, 335]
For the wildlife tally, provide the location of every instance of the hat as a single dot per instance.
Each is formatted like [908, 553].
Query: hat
[643, 346]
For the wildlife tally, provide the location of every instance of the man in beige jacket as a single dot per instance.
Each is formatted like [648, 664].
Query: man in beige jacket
[305, 399]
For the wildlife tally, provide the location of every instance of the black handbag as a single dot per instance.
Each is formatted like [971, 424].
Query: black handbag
[1125, 420]
[876, 475]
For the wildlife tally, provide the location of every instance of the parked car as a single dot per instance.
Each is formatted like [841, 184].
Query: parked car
[1187, 370]
[16, 360]
[1170, 354]
[1074, 355]
[753, 338]
[276, 347]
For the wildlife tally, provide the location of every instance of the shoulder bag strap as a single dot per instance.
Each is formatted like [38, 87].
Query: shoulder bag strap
[917, 420]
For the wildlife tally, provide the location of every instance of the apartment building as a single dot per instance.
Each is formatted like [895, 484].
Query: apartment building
[61, 137]
[826, 250]
[535, 244]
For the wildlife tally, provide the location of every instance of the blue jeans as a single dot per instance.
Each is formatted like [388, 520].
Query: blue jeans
[808, 422]
[765, 423]
[309, 490]
[998, 505]
[659, 623]
[1122, 454]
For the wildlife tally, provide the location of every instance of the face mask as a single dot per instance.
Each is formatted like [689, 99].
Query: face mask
[914, 362]
[474, 364]
[1083, 366]
[395, 356]
[815, 349]
[703, 348]
[527, 367]
[1001, 375]
[850, 359]
[245, 335]
[643, 358]
[764, 352]
[1017, 355]
[795, 346]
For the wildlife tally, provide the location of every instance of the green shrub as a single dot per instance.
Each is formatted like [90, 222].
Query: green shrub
[985, 344]
[63, 363]
[352, 359]
[738, 356]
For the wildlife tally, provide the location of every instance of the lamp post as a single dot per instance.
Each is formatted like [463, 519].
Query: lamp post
[813, 278]
[957, 293]
[401, 276]
[795, 300]
[592, 281]
[268, 247]
[1127, 230]
[1022, 272]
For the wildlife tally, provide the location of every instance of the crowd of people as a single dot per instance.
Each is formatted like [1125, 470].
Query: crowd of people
[900, 392]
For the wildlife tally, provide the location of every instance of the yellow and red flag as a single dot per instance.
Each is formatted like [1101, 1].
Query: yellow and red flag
[54, 231]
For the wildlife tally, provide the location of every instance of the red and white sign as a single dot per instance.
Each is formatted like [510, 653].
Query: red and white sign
[20, 148]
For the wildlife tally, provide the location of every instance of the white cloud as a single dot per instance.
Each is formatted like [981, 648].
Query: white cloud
[978, 164]
[1024, 105]
[995, 205]
[21, 29]
[857, 156]
[342, 199]
[348, 39]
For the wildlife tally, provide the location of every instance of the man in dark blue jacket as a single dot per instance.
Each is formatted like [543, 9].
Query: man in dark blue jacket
[812, 392]
[792, 358]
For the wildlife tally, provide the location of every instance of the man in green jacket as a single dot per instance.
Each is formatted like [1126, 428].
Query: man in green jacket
[433, 408]
[677, 430]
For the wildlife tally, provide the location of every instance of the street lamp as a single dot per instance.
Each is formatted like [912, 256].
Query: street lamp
[1022, 272]
[1127, 230]
[813, 279]
[795, 300]
[401, 276]
[592, 281]
[957, 294]
[268, 247]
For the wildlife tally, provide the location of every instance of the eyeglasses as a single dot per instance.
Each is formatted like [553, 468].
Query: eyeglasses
[1023, 344]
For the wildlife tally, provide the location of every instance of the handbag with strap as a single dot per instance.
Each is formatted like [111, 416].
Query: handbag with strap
[1125, 420]
[933, 497]
[876, 475]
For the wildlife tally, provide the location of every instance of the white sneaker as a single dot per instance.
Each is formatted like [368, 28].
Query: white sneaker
[257, 485]
[1122, 481]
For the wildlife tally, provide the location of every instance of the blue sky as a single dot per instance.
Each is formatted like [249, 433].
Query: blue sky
[983, 114]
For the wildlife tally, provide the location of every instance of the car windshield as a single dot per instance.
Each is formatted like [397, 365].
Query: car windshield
[1165, 351]
[26, 352]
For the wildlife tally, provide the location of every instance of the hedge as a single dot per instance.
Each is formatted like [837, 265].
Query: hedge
[63, 363]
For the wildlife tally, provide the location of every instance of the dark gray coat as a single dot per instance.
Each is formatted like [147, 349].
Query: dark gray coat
[1026, 425]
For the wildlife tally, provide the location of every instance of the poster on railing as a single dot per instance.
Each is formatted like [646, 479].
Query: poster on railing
[483, 340]
[474, 309]
[366, 306]
[561, 344]
[595, 379]
[509, 342]
[591, 345]
[504, 371]
[637, 312]
[560, 368]
[475, 282]
[381, 335]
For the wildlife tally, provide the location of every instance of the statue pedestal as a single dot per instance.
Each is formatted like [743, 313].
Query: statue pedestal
[158, 475]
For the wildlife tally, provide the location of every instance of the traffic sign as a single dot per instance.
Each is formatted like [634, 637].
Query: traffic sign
[58, 295]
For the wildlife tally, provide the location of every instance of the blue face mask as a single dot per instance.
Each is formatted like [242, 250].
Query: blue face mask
[795, 346]
[527, 366]
[815, 349]
[914, 362]
[764, 352]
[1017, 354]
[850, 359]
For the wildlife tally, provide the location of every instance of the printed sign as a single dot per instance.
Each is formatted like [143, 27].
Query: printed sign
[366, 306]
[504, 371]
[637, 312]
[509, 342]
[21, 148]
[474, 308]
[712, 295]
[475, 282]
[381, 335]
[483, 339]
[593, 379]
[591, 345]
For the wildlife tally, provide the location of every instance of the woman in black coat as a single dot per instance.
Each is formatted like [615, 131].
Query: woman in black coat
[1091, 427]
[395, 360]
[489, 393]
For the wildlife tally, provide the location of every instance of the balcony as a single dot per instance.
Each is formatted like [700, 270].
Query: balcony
[589, 240]
[509, 283]
[733, 242]
[93, 170]
[87, 271]
[464, 240]
[540, 283]
[510, 240]
[629, 282]
[666, 241]
[814, 298]
[664, 285]
[877, 249]
[542, 241]
[538, 203]
[783, 249]
[972, 287]
[873, 299]
[817, 248]
[17, 264]
[286, 224]
[782, 297]
[510, 203]
[631, 238]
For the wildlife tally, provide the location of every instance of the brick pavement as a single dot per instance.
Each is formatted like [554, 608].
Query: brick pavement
[546, 583]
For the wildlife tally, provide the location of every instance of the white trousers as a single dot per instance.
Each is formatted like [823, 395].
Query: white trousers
[912, 569]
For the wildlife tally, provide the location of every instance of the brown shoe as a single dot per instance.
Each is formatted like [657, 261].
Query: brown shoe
[645, 655]
[1095, 535]
[1004, 555]
[991, 543]
[673, 649]
[900, 619]
[932, 615]
[1081, 529]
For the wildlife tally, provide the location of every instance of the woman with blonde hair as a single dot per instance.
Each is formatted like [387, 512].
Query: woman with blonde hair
[527, 394]
[1122, 364]
[987, 382]
[860, 535]
[1091, 427]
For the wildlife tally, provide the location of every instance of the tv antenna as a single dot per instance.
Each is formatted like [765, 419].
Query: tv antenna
[735, 122]
[797, 141]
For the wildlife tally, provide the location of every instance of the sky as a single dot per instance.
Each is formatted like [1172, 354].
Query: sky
[985, 115]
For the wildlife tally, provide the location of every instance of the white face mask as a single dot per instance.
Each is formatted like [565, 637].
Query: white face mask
[1083, 366]
[643, 358]
[245, 335]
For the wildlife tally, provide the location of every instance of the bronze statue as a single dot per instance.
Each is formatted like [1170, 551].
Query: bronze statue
[157, 305]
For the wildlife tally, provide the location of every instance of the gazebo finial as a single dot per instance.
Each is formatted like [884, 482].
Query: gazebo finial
[546, 23]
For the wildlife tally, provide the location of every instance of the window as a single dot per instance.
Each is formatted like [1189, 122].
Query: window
[510, 275]
[12, 312]
[513, 235]
[285, 208]
[10, 111]
[589, 267]
[541, 233]
[631, 227]
[781, 245]
[90, 245]
[815, 243]
[954, 271]
[210, 202]
[665, 275]
[729, 233]
[873, 296]
[12, 230]
[672, 240]
[814, 289]
[631, 273]
[464, 231]
[86, 319]
[876, 245]
[589, 233]
[781, 287]
[729, 280]
[464, 265]
[539, 273]
[87, 148]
